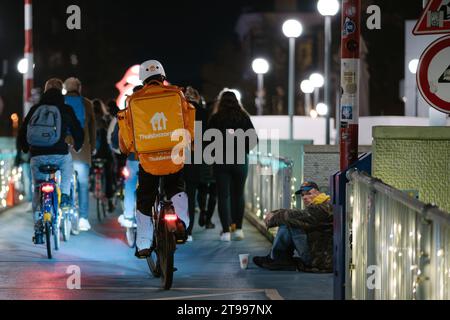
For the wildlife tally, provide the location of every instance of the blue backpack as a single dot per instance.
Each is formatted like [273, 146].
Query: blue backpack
[44, 127]
[77, 105]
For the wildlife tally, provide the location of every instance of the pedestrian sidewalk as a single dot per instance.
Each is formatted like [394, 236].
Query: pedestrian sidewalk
[216, 265]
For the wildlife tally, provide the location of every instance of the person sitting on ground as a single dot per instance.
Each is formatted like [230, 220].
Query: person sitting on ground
[309, 231]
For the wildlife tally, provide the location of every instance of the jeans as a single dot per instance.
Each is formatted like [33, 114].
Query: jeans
[288, 239]
[130, 189]
[27, 183]
[82, 168]
[230, 180]
[64, 162]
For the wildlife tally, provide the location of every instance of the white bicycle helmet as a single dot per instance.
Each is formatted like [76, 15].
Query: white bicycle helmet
[151, 68]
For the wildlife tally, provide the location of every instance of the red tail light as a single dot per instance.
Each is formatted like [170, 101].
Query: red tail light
[170, 217]
[47, 188]
[125, 172]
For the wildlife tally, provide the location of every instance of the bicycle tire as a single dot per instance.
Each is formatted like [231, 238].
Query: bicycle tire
[75, 213]
[48, 239]
[154, 267]
[104, 204]
[56, 236]
[99, 214]
[166, 257]
[66, 226]
[130, 234]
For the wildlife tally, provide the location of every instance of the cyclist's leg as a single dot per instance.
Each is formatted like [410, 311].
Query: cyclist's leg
[191, 187]
[130, 190]
[65, 165]
[174, 188]
[146, 195]
[37, 176]
[83, 193]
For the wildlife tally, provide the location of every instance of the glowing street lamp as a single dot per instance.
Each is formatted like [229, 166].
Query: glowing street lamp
[318, 81]
[307, 88]
[322, 109]
[291, 29]
[22, 66]
[260, 66]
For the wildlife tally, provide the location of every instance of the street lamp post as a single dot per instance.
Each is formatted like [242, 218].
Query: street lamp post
[307, 88]
[317, 81]
[412, 66]
[260, 66]
[291, 29]
[328, 8]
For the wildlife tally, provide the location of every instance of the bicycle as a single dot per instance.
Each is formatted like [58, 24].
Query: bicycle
[50, 214]
[71, 216]
[120, 186]
[168, 231]
[99, 188]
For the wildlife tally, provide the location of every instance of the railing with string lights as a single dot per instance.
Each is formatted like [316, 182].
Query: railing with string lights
[11, 181]
[397, 246]
[269, 184]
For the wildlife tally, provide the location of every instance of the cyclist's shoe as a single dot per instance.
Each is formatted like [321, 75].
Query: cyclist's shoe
[180, 234]
[65, 201]
[38, 238]
[84, 225]
[143, 254]
[126, 222]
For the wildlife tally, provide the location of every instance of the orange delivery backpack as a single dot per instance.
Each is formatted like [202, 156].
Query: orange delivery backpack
[146, 127]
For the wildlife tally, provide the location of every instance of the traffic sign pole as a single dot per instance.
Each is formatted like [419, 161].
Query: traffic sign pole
[350, 61]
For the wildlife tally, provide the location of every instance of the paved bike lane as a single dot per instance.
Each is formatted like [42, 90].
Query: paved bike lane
[207, 267]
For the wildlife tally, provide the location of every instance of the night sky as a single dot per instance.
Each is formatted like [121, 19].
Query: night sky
[183, 35]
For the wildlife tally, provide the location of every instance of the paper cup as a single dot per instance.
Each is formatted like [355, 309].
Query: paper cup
[243, 260]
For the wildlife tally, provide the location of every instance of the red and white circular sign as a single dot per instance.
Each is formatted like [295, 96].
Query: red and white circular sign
[433, 74]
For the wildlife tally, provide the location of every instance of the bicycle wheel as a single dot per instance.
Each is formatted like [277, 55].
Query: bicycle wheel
[48, 236]
[166, 257]
[57, 236]
[99, 213]
[66, 227]
[104, 209]
[153, 265]
[131, 237]
[75, 210]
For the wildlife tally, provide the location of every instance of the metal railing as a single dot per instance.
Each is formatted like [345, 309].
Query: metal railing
[397, 246]
[269, 184]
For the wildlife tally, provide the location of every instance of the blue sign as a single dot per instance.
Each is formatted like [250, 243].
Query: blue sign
[349, 27]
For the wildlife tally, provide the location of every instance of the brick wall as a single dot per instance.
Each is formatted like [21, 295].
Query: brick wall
[320, 162]
[414, 158]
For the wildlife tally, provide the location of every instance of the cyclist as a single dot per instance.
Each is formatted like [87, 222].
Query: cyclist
[55, 154]
[152, 73]
[128, 218]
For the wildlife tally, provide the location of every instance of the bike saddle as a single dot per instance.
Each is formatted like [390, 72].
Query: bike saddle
[48, 168]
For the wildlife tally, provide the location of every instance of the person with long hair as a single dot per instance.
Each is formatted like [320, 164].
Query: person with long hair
[231, 167]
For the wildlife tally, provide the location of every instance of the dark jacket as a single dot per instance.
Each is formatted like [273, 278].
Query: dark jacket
[102, 146]
[69, 122]
[317, 222]
[234, 119]
[197, 172]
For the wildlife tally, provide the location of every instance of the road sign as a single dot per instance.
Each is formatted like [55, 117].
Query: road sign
[433, 74]
[435, 18]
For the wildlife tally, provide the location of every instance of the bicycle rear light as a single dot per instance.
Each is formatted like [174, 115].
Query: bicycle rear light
[125, 172]
[47, 188]
[170, 217]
